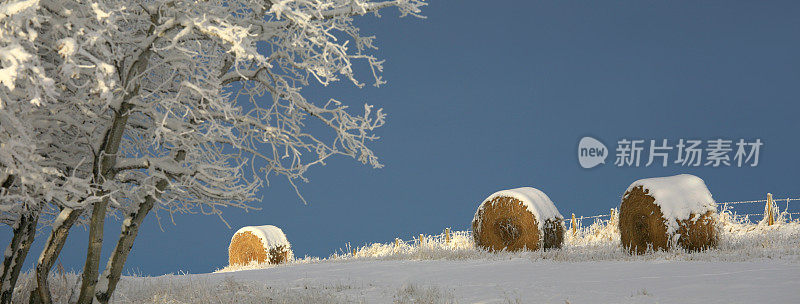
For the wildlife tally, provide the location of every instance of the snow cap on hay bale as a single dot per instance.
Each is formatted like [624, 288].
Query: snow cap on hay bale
[259, 243]
[517, 219]
[664, 211]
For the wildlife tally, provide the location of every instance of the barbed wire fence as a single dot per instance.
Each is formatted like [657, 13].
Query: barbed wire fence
[771, 209]
[772, 213]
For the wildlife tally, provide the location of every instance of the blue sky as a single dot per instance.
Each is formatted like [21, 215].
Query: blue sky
[484, 96]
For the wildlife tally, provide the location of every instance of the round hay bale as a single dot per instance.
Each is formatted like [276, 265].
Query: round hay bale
[261, 244]
[661, 212]
[517, 219]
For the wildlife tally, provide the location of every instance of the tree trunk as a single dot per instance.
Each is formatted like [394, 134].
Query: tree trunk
[104, 170]
[56, 241]
[90, 268]
[130, 228]
[24, 233]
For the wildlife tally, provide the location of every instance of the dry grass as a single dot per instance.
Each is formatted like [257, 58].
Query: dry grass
[414, 293]
[740, 240]
[185, 289]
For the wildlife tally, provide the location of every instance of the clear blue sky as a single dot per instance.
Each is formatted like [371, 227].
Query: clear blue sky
[484, 96]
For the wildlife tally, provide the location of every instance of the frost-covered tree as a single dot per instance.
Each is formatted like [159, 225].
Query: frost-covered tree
[25, 183]
[43, 119]
[183, 106]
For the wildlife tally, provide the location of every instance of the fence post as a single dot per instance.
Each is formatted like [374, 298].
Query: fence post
[611, 218]
[572, 224]
[396, 242]
[770, 219]
[421, 239]
[447, 235]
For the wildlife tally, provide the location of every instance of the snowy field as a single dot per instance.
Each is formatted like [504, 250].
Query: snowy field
[754, 262]
[517, 280]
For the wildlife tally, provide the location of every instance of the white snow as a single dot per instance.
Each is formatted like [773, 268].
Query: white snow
[270, 236]
[14, 7]
[679, 197]
[12, 57]
[67, 47]
[99, 13]
[482, 281]
[754, 263]
[534, 200]
[62, 216]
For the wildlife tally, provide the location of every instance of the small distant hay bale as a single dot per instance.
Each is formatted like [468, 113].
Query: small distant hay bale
[261, 244]
[666, 211]
[518, 219]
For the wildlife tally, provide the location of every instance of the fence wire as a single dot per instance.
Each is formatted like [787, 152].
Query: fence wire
[760, 201]
[579, 220]
[723, 204]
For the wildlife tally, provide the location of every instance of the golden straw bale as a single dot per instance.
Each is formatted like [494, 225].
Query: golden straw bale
[507, 220]
[260, 244]
[689, 221]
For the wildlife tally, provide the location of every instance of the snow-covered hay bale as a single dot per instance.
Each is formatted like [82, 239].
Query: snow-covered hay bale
[261, 244]
[518, 219]
[665, 211]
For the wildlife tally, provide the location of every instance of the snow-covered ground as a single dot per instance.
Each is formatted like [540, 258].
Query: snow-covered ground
[517, 280]
[754, 262]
